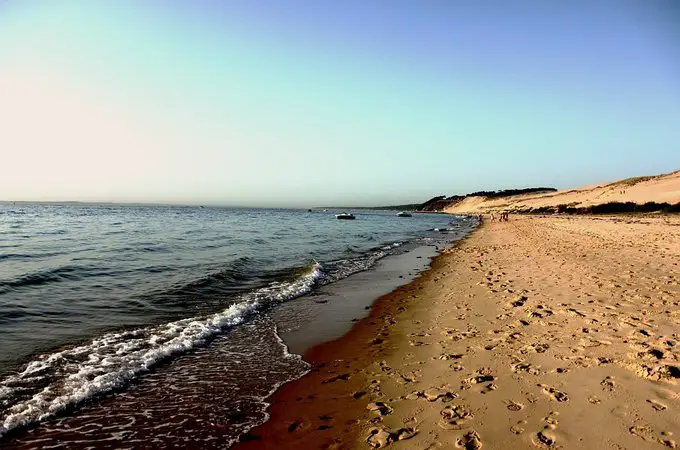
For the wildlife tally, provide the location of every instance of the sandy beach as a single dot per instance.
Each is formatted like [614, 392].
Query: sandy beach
[548, 332]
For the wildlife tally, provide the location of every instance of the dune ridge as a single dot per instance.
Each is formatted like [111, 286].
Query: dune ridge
[639, 190]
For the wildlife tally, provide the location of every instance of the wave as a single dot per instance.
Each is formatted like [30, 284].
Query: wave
[444, 230]
[342, 268]
[50, 232]
[242, 274]
[70, 273]
[15, 256]
[55, 382]
[43, 277]
[26, 255]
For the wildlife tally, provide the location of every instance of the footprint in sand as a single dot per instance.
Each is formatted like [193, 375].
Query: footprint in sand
[489, 388]
[469, 441]
[608, 384]
[656, 372]
[643, 432]
[420, 334]
[379, 438]
[604, 360]
[554, 394]
[541, 313]
[519, 301]
[477, 379]
[656, 405]
[379, 407]
[432, 395]
[449, 356]
[298, 425]
[594, 400]
[343, 377]
[513, 406]
[385, 368]
[454, 417]
[551, 420]
[456, 367]
[545, 439]
[519, 428]
[405, 378]
[534, 348]
[525, 367]
[458, 335]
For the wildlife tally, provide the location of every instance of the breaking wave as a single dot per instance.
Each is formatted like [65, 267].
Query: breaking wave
[55, 382]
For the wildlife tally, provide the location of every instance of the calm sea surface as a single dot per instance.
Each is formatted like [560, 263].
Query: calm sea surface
[150, 325]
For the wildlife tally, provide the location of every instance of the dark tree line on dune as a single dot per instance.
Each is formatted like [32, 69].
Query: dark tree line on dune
[607, 208]
[442, 201]
[510, 192]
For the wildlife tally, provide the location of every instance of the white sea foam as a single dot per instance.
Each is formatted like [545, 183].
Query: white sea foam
[60, 380]
[263, 399]
[345, 267]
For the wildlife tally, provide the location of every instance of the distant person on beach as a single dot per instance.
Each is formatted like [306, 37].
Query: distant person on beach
[501, 217]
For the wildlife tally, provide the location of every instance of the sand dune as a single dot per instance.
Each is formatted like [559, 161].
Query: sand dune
[640, 190]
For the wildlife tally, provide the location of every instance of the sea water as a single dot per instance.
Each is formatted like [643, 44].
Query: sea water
[155, 325]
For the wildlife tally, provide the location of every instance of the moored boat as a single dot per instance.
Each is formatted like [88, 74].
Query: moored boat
[345, 216]
[403, 214]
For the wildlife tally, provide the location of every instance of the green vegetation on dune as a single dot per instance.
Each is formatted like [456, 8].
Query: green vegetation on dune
[605, 208]
[632, 181]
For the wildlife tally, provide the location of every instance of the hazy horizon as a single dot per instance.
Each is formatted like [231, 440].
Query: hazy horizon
[299, 104]
[272, 206]
[191, 205]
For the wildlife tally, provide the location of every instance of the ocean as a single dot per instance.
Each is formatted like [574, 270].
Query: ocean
[161, 326]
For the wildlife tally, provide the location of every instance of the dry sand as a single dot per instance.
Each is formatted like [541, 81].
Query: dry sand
[661, 189]
[554, 332]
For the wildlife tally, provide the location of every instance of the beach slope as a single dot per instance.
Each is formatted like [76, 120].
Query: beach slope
[549, 332]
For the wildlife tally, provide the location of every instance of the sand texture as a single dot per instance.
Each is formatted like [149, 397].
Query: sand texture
[540, 332]
[640, 190]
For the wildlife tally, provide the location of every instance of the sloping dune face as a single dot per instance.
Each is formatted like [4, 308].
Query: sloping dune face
[660, 189]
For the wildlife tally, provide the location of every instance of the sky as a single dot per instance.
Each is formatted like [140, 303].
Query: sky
[310, 103]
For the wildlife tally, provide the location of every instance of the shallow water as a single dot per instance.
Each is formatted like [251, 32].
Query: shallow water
[153, 323]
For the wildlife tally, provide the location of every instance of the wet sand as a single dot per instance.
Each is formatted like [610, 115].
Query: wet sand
[549, 332]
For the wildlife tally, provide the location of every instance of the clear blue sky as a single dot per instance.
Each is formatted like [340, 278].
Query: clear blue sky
[306, 102]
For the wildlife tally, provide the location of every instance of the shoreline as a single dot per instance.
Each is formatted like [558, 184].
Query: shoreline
[330, 363]
[235, 384]
[535, 318]
[333, 309]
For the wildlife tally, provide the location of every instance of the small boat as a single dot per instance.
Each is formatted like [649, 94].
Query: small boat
[404, 214]
[345, 216]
